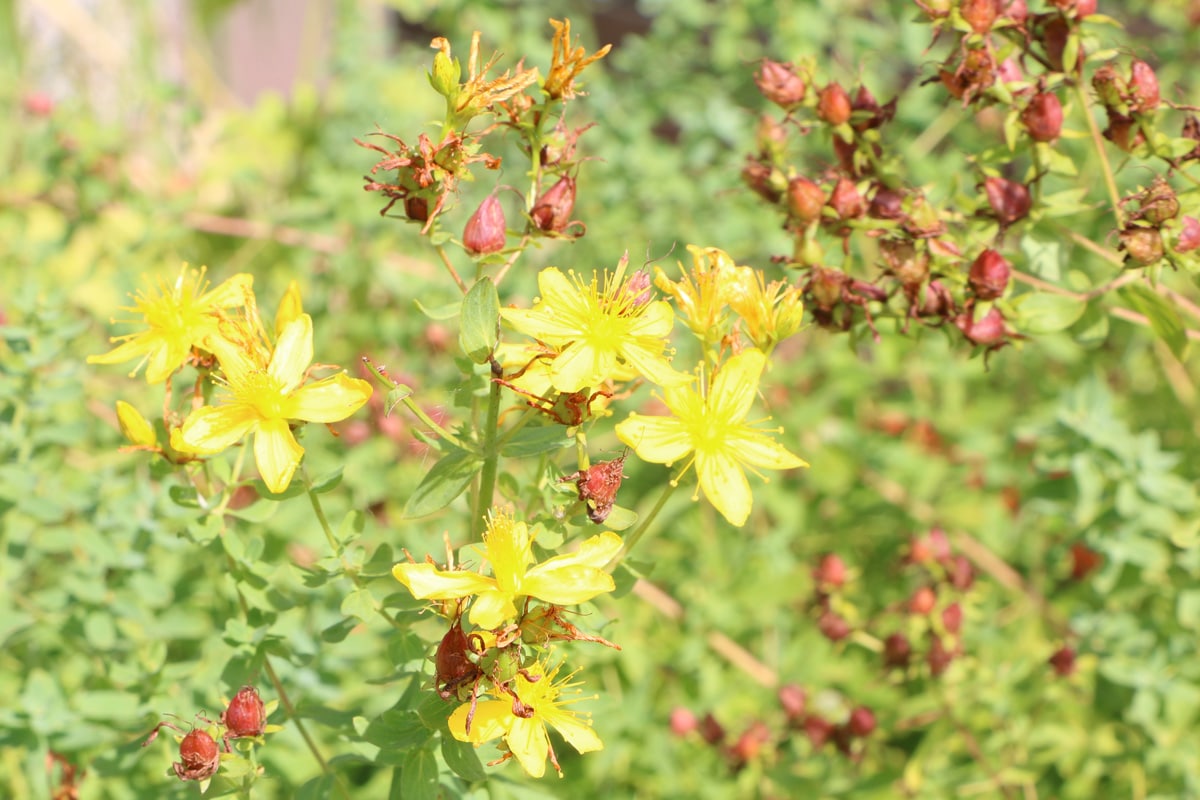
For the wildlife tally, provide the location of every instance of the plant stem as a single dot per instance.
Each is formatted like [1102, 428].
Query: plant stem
[633, 538]
[441, 251]
[315, 502]
[1114, 195]
[491, 460]
[420, 414]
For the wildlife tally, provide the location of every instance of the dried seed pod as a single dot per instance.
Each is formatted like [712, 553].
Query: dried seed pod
[780, 84]
[199, 758]
[1043, 117]
[989, 275]
[245, 716]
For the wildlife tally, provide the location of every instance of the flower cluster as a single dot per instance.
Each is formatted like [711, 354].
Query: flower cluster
[262, 380]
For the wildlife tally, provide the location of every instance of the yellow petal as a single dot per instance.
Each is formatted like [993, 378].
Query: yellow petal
[759, 450]
[235, 291]
[651, 363]
[596, 551]
[491, 608]
[528, 742]
[655, 321]
[427, 582]
[566, 586]
[659, 440]
[578, 733]
[490, 721]
[724, 484]
[129, 349]
[135, 427]
[213, 428]
[277, 453]
[560, 293]
[331, 399]
[581, 365]
[293, 352]
[168, 356]
[290, 308]
[735, 386]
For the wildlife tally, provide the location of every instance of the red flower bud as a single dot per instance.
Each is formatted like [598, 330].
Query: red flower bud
[986, 332]
[552, 211]
[485, 230]
[198, 757]
[980, 14]
[1017, 11]
[1043, 117]
[683, 721]
[1082, 8]
[1063, 661]
[862, 722]
[1143, 87]
[1143, 246]
[780, 84]
[833, 626]
[961, 572]
[805, 199]
[845, 200]
[952, 617]
[989, 275]
[748, 745]
[245, 716]
[1010, 201]
[833, 104]
[1189, 235]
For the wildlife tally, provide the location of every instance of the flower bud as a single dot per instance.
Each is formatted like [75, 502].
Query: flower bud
[988, 331]
[805, 199]
[980, 14]
[1063, 661]
[833, 626]
[134, 426]
[198, 757]
[748, 745]
[989, 275]
[922, 601]
[763, 180]
[833, 104]
[1189, 235]
[952, 617]
[1043, 117]
[831, 572]
[845, 200]
[780, 84]
[887, 204]
[245, 716]
[640, 289]
[1143, 87]
[1110, 88]
[683, 721]
[1082, 8]
[1009, 71]
[861, 722]
[485, 231]
[871, 114]
[1017, 11]
[1143, 246]
[552, 211]
[1010, 201]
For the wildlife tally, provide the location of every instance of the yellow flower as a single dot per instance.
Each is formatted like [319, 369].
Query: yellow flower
[179, 318]
[703, 295]
[598, 329]
[526, 737]
[566, 64]
[263, 399]
[771, 312]
[713, 427]
[562, 580]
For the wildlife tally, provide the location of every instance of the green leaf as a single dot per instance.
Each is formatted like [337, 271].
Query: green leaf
[1043, 312]
[461, 757]
[419, 775]
[1044, 258]
[448, 311]
[328, 482]
[397, 731]
[479, 330]
[534, 441]
[446, 481]
[1164, 319]
[1091, 329]
[359, 603]
[1188, 609]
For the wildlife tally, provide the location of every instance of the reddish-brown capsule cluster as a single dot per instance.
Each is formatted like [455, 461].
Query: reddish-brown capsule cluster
[199, 757]
[1153, 229]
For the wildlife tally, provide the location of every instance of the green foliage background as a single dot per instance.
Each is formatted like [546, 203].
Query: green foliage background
[119, 606]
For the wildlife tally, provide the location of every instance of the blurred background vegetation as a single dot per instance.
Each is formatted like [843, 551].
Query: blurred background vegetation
[144, 134]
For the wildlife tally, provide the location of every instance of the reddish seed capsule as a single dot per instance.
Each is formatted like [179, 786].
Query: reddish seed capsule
[552, 211]
[818, 730]
[952, 618]
[831, 572]
[845, 200]
[833, 104]
[805, 200]
[833, 626]
[245, 716]
[988, 331]
[1084, 561]
[938, 657]
[897, 651]
[762, 180]
[748, 745]
[1010, 201]
[961, 573]
[683, 722]
[1123, 131]
[862, 722]
[1063, 661]
[1143, 87]
[989, 275]
[922, 601]
[980, 14]
[453, 667]
[1143, 246]
[711, 731]
[1043, 117]
[1017, 11]
[1189, 235]
[198, 757]
[485, 231]
[1054, 40]
[416, 208]
[597, 486]
[780, 84]
[793, 699]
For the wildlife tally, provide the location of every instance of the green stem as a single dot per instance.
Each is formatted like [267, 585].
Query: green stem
[632, 539]
[491, 461]
[1114, 195]
[315, 502]
[441, 251]
[420, 414]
